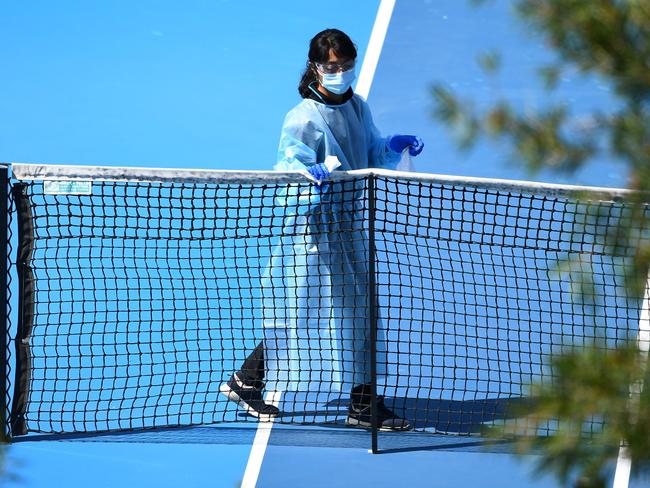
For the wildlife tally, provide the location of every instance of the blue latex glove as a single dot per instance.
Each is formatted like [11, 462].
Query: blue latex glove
[398, 143]
[320, 172]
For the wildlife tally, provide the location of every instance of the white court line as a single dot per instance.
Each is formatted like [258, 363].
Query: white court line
[375, 44]
[623, 469]
[262, 435]
[624, 463]
[362, 89]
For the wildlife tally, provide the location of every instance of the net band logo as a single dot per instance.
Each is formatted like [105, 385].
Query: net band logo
[68, 187]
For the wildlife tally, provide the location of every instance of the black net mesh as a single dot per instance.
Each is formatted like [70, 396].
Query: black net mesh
[141, 299]
[480, 286]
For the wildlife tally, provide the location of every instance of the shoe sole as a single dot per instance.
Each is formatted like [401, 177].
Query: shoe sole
[234, 397]
[352, 422]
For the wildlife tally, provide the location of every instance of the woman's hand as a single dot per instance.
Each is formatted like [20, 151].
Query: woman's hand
[319, 172]
[398, 143]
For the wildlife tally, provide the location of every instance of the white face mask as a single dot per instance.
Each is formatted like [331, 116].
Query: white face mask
[338, 82]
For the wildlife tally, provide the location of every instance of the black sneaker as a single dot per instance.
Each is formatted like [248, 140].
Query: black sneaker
[249, 398]
[359, 415]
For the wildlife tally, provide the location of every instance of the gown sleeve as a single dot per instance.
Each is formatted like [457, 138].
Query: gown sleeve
[379, 154]
[300, 139]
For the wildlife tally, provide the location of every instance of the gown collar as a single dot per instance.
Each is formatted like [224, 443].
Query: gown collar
[322, 98]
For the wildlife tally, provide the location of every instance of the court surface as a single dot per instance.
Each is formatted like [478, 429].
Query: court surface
[207, 86]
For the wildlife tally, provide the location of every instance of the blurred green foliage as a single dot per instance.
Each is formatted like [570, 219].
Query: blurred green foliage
[610, 41]
[590, 384]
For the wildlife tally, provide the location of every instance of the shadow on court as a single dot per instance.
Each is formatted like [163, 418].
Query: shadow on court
[323, 425]
[458, 417]
[330, 435]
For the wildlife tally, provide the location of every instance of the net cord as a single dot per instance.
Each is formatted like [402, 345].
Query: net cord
[624, 461]
[28, 172]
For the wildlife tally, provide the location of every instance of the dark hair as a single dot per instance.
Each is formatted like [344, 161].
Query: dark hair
[319, 52]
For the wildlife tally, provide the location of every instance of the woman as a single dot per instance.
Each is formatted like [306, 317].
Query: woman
[315, 288]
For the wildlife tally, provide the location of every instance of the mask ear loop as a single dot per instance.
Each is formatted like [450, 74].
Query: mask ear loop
[314, 70]
[312, 67]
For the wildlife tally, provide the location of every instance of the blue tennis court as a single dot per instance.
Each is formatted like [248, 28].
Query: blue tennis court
[207, 87]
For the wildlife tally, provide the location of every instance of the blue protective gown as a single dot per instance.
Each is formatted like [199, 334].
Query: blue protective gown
[315, 287]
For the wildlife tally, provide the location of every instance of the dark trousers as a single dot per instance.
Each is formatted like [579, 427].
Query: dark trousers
[252, 369]
[252, 374]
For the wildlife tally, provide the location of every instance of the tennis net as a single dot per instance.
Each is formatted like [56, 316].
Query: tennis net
[139, 292]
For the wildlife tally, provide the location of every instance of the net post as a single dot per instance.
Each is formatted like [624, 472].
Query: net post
[25, 321]
[372, 311]
[624, 461]
[4, 284]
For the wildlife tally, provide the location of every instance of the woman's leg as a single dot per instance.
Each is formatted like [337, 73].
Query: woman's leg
[251, 371]
[245, 386]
